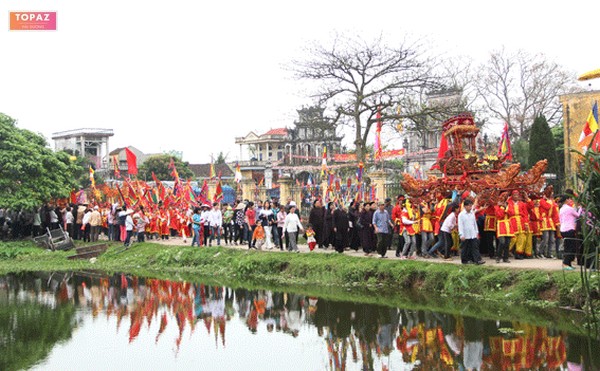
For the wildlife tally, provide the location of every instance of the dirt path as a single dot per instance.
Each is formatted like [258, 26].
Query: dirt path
[543, 264]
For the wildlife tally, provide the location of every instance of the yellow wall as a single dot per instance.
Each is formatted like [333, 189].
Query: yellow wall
[576, 108]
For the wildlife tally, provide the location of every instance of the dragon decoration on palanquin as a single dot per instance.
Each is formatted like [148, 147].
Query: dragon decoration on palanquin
[490, 177]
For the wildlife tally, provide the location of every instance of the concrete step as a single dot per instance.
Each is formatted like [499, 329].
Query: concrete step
[85, 249]
[89, 252]
[87, 255]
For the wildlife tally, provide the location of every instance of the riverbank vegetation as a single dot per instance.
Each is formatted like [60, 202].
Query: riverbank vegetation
[487, 292]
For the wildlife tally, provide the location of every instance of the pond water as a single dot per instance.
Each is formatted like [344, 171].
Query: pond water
[77, 321]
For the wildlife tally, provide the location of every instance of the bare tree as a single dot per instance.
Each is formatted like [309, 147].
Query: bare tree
[357, 78]
[517, 87]
[429, 108]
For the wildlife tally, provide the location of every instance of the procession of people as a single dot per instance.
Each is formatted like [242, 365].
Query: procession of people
[446, 226]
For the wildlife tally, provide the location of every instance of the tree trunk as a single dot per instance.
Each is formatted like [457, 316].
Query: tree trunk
[358, 142]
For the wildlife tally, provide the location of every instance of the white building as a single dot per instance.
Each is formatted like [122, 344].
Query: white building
[91, 143]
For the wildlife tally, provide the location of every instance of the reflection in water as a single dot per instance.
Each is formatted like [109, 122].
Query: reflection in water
[352, 336]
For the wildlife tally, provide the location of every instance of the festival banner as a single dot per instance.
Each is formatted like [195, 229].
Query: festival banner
[504, 146]
[589, 128]
[92, 180]
[351, 157]
[324, 161]
[238, 173]
[378, 154]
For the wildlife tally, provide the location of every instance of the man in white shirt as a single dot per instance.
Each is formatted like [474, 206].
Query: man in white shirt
[215, 219]
[291, 226]
[469, 235]
[129, 225]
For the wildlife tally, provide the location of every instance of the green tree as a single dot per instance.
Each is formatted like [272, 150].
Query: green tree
[541, 144]
[159, 164]
[221, 158]
[520, 150]
[30, 172]
[83, 176]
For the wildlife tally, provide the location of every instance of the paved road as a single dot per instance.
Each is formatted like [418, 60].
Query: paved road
[543, 264]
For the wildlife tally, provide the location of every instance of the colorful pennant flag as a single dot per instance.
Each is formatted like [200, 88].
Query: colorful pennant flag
[589, 128]
[92, 180]
[160, 188]
[116, 166]
[324, 162]
[212, 174]
[504, 149]
[177, 182]
[238, 173]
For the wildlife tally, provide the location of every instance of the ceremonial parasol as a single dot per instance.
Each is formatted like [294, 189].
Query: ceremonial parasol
[590, 75]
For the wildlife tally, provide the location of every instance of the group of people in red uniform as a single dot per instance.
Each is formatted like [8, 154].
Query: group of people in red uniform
[524, 224]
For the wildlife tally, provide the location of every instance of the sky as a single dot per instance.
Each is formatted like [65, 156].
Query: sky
[191, 76]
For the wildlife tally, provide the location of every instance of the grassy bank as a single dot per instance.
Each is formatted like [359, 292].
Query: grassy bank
[487, 292]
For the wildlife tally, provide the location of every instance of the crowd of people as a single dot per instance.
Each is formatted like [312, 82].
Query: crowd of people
[455, 225]
[445, 226]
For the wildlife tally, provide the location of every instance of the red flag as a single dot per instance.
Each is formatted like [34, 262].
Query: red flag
[73, 198]
[131, 162]
[441, 152]
[203, 196]
[218, 193]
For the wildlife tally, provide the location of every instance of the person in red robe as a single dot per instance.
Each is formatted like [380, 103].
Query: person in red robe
[503, 232]
[518, 214]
